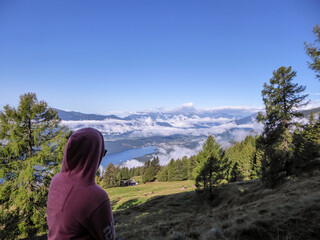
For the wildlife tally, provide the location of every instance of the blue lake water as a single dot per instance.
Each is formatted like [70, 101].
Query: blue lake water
[117, 158]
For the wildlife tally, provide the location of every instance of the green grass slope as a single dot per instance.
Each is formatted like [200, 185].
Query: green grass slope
[124, 197]
[243, 210]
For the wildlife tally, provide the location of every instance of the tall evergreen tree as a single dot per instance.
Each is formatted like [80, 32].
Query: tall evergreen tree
[124, 173]
[281, 98]
[240, 159]
[256, 162]
[110, 177]
[149, 174]
[210, 165]
[172, 171]
[179, 170]
[137, 171]
[185, 168]
[163, 174]
[192, 162]
[155, 164]
[151, 170]
[307, 144]
[313, 51]
[32, 142]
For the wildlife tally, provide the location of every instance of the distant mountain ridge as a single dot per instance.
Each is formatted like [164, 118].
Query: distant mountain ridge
[307, 113]
[78, 116]
[188, 112]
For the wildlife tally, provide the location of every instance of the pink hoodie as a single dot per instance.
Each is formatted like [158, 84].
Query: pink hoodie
[77, 207]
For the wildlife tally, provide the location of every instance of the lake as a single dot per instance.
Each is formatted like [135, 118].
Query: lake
[120, 157]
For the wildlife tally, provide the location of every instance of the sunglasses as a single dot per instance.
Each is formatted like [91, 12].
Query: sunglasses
[105, 152]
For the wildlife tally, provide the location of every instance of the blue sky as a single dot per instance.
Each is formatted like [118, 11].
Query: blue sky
[104, 56]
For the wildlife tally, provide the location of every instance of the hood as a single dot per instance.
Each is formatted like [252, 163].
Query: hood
[82, 156]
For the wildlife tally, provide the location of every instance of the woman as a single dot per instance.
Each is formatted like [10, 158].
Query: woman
[77, 207]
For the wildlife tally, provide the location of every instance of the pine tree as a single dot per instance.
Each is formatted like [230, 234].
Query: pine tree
[162, 174]
[156, 164]
[313, 51]
[185, 168]
[110, 177]
[149, 174]
[131, 172]
[151, 169]
[281, 98]
[137, 171]
[256, 162]
[32, 142]
[210, 165]
[307, 144]
[172, 171]
[179, 170]
[192, 162]
[124, 173]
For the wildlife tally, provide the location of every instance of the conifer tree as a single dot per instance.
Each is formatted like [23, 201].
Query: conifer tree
[137, 171]
[282, 99]
[313, 51]
[149, 174]
[118, 173]
[124, 173]
[256, 163]
[131, 172]
[307, 144]
[162, 174]
[172, 171]
[110, 177]
[192, 162]
[155, 164]
[151, 170]
[185, 168]
[32, 142]
[179, 170]
[210, 165]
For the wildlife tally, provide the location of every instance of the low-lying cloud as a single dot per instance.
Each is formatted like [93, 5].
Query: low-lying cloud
[147, 127]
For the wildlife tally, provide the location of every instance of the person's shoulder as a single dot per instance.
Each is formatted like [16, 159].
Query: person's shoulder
[91, 193]
[83, 200]
[56, 179]
[99, 192]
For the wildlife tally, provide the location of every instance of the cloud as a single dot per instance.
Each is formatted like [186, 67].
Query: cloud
[101, 170]
[246, 108]
[166, 153]
[177, 124]
[190, 104]
[132, 163]
[239, 135]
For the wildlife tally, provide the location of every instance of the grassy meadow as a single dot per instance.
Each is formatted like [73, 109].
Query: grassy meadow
[242, 210]
[124, 197]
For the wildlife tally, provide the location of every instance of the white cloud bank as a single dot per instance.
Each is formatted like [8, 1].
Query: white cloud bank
[147, 127]
[132, 163]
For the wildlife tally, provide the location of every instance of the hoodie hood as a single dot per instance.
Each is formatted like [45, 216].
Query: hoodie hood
[82, 156]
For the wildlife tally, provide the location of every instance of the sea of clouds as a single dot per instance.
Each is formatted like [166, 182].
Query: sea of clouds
[184, 120]
[178, 124]
[147, 127]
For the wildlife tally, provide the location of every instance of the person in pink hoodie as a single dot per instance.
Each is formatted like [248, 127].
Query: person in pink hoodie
[77, 207]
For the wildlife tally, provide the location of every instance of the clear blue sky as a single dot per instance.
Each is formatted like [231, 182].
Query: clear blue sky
[100, 56]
